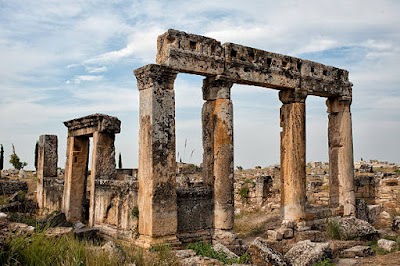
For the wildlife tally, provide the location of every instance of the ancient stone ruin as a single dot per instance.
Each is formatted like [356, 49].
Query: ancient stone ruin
[115, 202]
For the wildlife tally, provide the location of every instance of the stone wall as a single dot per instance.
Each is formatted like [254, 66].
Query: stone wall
[195, 213]
[257, 189]
[8, 187]
[116, 207]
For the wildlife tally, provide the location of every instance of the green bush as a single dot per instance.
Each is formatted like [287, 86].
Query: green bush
[333, 229]
[244, 192]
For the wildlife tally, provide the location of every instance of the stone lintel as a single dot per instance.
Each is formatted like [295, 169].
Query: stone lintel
[87, 125]
[152, 75]
[216, 88]
[190, 53]
[246, 65]
[197, 54]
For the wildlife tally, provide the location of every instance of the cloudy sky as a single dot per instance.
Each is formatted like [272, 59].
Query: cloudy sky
[65, 59]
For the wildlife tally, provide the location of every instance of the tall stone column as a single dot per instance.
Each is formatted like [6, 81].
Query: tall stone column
[217, 116]
[46, 165]
[341, 162]
[103, 167]
[75, 177]
[157, 160]
[293, 155]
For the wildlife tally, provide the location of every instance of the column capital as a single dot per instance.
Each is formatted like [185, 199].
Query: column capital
[216, 87]
[339, 104]
[293, 96]
[154, 73]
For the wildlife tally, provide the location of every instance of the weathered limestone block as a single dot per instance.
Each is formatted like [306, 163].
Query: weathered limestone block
[205, 56]
[115, 200]
[46, 165]
[86, 126]
[387, 245]
[195, 210]
[190, 53]
[75, 182]
[353, 228]
[357, 251]
[307, 253]
[341, 163]
[293, 155]
[262, 254]
[157, 160]
[251, 66]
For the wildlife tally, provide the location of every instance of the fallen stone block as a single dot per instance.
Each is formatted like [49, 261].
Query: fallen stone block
[387, 245]
[306, 253]
[353, 228]
[221, 248]
[357, 251]
[58, 231]
[86, 233]
[261, 254]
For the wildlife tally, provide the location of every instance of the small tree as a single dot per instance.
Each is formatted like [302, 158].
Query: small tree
[120, 161]
[36, 154]
[1, 157]
[15, 161]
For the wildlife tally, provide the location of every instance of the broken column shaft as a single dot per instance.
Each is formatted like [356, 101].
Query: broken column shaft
[341, 164]
[293, 155]
[157, 161]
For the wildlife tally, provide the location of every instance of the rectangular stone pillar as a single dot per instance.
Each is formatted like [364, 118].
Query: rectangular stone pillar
[157, 160]
[103, 167]
[46, 165]
[293, 155]
[341, 162]
[75, 177]
[217, 116]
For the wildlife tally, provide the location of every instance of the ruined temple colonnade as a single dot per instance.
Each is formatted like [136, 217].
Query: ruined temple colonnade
[223, 65]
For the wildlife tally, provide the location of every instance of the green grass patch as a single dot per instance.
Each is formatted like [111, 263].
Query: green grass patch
[324, 262]
[207, 250]
[333, 229]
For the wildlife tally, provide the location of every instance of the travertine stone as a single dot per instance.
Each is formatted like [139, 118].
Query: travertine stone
[75, 181]
[205, 56]
[157, 161]
[103, 167]
[293, 156]
[218, 149]
[341, 163]
[251, 66]
[46, 165]
[86, 126]
[190, 53]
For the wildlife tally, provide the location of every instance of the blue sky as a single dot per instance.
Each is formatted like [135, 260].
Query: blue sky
[66, 59]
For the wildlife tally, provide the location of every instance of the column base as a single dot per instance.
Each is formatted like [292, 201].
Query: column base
[148, 241]
[225, 237]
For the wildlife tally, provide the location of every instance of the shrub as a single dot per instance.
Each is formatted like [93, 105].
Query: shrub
[244, 192]
[333, 229]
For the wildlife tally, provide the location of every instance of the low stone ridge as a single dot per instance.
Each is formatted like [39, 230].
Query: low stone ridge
[353, 228]
[261, 254]
[357, 251]
[307, 253]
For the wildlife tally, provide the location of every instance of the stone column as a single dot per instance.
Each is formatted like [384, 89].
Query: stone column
[75, 175]
[217, 116]
[46, 165]
[341, 163]
[293, 155]
[157, 159]
[103, 167]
